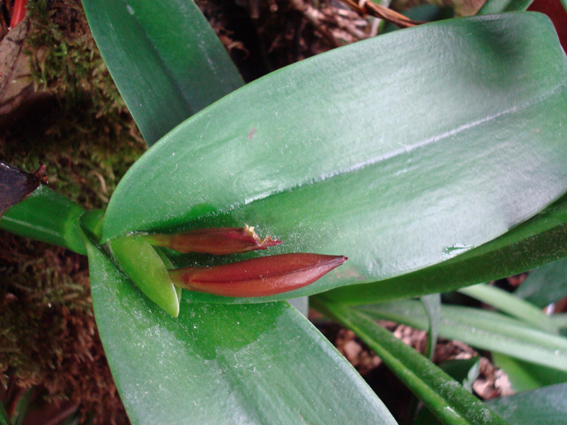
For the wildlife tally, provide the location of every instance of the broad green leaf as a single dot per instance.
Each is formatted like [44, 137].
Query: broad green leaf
[545, 406]
[526, 376]
[545, 285]
[223, 364]
[564, 3]
[482, 329]
[46, 216]
[164, 57]
[536, 242]
[511, 305]
[500, 6]
[440, 393]
[397, 169]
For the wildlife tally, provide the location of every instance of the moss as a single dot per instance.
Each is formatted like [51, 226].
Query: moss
[84, 133]
[86, 137]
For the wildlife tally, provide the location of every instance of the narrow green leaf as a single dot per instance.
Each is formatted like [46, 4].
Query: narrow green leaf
[491, 7]
[536, 242]
[482, 329]
[442, 395]
[526, 376]
[146, 268]
[560, 320]
[22, 407]
[164, 57]
[48, 217]
[545, 285]
[464, 372]
[545, 406]
[425, 13]
[4, 419]
[432, 305]
[334, 158]
[223, 364]
[512, 305]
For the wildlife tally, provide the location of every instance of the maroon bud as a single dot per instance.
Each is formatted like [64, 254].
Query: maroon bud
[257, 277]
[216, 241]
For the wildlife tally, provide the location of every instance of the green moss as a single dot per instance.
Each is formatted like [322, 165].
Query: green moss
[84, 134]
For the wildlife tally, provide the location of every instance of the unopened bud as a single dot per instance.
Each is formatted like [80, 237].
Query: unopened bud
[257, 277]
[216, 241]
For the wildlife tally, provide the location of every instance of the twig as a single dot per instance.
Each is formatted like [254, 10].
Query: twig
[368, 7]
[311, 15]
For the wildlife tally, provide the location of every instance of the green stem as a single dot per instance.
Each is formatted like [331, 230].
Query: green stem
[46, 216]
[440, 393]
[512, 305]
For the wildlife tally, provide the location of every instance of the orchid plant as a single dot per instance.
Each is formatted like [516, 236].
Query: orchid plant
[433, 157]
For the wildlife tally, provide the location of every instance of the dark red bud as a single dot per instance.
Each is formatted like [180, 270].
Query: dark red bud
[257, 277]
[216, 241]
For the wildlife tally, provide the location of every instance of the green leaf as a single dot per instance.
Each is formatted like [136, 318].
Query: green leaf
[482, 329]
[500, 6]
[539, 241]
[432, 305]
[560, 320]
[223, 364]
[397, 170]
[526, 376]
[546, 406]
[46, 216]
[545, 285]
[146, 268]
[164, 57]
[4, 419]
[512, 305]
[22, 407]
[425, 13]
[442, 395]
[464, 372]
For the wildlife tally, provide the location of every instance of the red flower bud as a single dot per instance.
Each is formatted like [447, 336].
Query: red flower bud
[257, 277]
[217, 241]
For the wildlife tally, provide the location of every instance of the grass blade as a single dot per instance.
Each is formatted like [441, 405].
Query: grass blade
[442, 395]
[482, 329]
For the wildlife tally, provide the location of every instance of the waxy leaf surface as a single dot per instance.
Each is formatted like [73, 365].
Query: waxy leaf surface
[534, 243]
[164, 57]
[399, 152]
[544, 406]
[223, 364]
